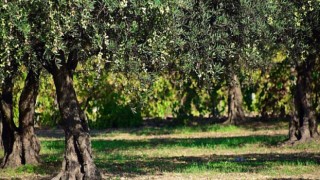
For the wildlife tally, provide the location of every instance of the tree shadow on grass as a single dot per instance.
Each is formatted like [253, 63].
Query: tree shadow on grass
[248, 163]
[222, 142]
[136, 166]
[116, 164]
[169, 126]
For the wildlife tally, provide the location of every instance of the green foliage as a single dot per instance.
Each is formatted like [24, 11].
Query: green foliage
[134, 34]
[161, 100]
[161, 58]
[102, 95]
[274, 94]
[112, 112]
[61, 26]
[300, 33]
[47, 113]
[14, 31]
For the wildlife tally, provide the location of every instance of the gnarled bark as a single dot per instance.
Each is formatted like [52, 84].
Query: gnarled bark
[303, 125]
[293, 127]
[9, 128]
[30, 142]
[78, 162]
[235, 101]
[21, 145]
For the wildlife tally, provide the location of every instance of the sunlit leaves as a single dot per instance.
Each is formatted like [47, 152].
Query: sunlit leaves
[14, 34]
[212, 36]
[136, 36]
[63, 26]
[299, 28]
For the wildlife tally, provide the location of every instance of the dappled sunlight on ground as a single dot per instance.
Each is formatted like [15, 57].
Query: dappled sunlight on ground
[211, 152]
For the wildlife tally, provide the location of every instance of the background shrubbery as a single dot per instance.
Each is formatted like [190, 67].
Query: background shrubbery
[109, 103]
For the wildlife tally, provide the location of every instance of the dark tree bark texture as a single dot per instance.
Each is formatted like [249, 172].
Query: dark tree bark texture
[303, 124]
[78, 162]
[21, 145]
[28, 98]
[235, 101]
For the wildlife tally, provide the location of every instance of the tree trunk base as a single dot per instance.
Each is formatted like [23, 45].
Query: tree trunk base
[287, 143]
[77, 174]
[14, 158]
[24, 151]
[233, 121]
[228, 122]
[300, 141]
[78, 162]
[31, 150]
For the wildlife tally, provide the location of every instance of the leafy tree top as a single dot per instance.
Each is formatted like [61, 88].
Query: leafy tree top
[14, 33]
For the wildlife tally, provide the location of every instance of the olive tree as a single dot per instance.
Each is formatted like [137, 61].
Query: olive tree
[21, 145]
[218, 39]
[119, 33]
[62, 34]
[298, 29]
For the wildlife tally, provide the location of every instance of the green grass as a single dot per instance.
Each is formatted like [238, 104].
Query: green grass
[164, 153]
[187, 129]
[207, 143]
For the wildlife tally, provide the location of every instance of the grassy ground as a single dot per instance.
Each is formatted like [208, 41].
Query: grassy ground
[195, 152]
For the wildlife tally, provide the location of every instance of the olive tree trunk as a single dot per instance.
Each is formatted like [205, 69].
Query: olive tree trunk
[78, 161]
[21, 145]
[303, 124]
[235, 102]
[28, 98]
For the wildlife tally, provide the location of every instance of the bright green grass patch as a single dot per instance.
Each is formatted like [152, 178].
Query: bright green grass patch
[291, 169]
[210, 128]
[52, 150]
[23, 171]
[238, 165]
[178, 130]
[212, 143]
[224, 167]
[30, 169]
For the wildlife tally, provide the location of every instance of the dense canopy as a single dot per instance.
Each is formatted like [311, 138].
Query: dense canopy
[116, 63]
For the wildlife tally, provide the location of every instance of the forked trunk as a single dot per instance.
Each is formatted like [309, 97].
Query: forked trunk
[28, 98]
[235, 101]
[21, 145]
[78, 162]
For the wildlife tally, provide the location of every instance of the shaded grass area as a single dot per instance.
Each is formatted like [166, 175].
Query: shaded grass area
[193, 156]
[148, 131]
[208, 126]
[211, 143]
[246, 163]
[165, 127]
